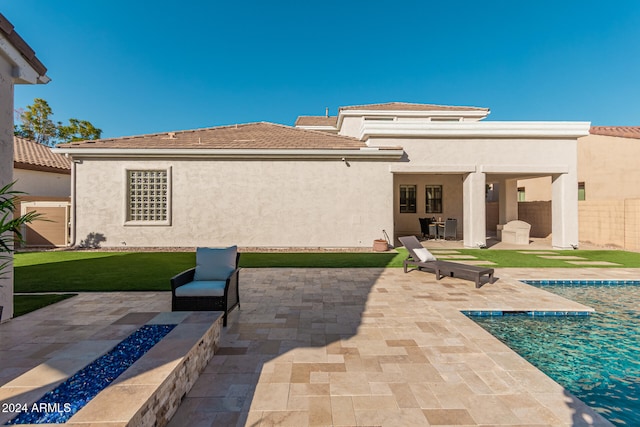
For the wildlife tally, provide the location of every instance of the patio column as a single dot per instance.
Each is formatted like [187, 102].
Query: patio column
[508, 201]
[564, 210]
[6, 176]
[474, 209]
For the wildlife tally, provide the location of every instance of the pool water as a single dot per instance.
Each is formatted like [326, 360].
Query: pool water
[595, 357]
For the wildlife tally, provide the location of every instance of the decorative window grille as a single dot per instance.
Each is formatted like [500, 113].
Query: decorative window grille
[148, 195]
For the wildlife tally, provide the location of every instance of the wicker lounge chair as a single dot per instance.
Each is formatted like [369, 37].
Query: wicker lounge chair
[424, 260]
[210, 286]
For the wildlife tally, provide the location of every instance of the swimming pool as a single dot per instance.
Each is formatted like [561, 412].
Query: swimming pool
[595, 357]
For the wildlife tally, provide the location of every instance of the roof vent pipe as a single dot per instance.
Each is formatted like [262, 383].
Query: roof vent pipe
[327, 112]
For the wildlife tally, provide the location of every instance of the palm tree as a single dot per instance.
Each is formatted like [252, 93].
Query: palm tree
[10, 226]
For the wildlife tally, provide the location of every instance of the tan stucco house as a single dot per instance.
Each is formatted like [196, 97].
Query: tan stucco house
[327, 182]
[18, 65]
[45, 179]
[608, 190]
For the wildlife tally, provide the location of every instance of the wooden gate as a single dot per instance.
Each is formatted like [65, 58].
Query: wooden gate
[50, 231]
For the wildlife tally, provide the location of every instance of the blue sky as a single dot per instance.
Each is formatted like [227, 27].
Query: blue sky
[137, 67]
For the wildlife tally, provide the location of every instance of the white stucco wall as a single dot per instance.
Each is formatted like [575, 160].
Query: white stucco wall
[38, 183]
[6, 170]
[523, 155]
[606, 164]
[263, 203]
[494, 159]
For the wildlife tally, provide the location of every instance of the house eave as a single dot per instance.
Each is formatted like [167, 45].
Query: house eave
[23, 71]
[365, 153]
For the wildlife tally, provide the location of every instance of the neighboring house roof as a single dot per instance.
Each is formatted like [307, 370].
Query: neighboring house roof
[33, 156]
[317, 121]
[261, 135]
[406, 106]
[619, 131]
[7, 30]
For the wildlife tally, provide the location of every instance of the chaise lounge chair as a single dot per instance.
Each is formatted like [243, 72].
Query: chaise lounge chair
[424, 260]
[418, 255]
[212, 285]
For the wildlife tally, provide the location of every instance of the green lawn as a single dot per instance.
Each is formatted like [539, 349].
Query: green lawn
[150, 271]
[23, 304]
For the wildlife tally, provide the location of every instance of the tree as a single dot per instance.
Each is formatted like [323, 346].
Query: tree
[36, 125]
[10, 226]
[78, 130]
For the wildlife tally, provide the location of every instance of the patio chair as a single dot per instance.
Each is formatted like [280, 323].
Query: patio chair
[424, 260]
[450, 228]
[212, 285]
[425, 227]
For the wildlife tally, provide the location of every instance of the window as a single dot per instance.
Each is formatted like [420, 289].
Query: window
[408, 199]
[581, 192]
[433, 199]
[148, 196]
[520, 194]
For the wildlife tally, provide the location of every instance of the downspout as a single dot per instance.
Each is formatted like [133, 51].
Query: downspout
[72, 237]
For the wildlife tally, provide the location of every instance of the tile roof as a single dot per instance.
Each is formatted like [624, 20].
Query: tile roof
[620, 131]
[31, 155]
[316, 121]
[261, 135]
[406, 106]
[7, 29]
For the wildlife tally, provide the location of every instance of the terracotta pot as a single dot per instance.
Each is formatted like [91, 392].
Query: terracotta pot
[380, 245]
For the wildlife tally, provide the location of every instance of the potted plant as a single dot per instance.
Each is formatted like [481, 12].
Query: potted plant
[380, 245]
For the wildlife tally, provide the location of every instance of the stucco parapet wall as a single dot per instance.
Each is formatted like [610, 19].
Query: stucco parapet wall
[564, 130]
[372, 153]
[364, 112]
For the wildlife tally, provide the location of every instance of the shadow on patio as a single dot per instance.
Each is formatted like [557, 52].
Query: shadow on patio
[370, 347]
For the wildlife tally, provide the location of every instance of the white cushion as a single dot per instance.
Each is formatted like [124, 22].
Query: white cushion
[215, 263]
[424, 255]
[202, 288]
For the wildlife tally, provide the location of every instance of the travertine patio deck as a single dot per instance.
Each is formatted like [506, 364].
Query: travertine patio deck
[342, 347]
[378, 347]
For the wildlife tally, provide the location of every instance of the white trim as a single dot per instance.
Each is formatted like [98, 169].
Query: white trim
[567, 130]
[432, 168]
[21, 71]
[331, 129]
[365, 153]
[525, 169]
